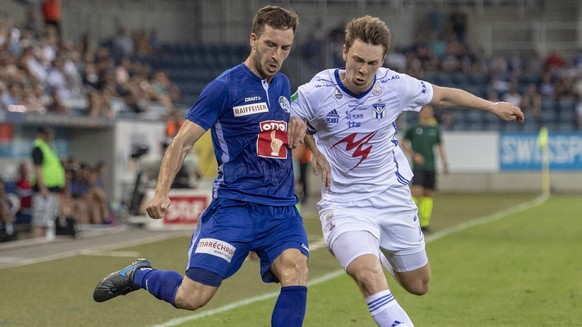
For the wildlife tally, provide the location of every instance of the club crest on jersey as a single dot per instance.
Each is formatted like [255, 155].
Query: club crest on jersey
[338, 93]
[284, 103]
[272, 139]
[250, 109]
[379, 109]
[377, 90]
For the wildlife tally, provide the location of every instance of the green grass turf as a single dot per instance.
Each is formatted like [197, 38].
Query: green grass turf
[522, 270]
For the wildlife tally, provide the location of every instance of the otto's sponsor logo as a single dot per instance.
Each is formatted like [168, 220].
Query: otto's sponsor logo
[215, 247]
[250, 109]
[284, 103]
[272, 140]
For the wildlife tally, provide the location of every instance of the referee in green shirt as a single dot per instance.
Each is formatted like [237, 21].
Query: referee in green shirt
[420, 139]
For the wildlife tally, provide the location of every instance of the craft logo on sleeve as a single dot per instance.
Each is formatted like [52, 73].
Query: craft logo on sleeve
[272, 139]
[215, 247]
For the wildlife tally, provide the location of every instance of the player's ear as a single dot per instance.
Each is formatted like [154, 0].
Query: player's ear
[253, 41]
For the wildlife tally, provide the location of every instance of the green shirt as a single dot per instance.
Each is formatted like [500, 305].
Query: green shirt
[422, 139]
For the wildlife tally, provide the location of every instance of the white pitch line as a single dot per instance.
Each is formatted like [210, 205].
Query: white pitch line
[445, 232]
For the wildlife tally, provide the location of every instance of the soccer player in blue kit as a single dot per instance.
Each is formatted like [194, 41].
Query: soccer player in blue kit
[247, 109]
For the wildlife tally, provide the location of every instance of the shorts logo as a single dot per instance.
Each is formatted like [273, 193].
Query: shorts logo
[329, 221]
[272, 140]
[216, 248]
[250, 109]
[284, 103]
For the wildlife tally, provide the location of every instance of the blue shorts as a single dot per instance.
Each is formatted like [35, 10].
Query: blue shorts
[228, 230]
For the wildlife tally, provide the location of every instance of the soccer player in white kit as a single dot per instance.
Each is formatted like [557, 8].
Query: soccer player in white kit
[366, 210]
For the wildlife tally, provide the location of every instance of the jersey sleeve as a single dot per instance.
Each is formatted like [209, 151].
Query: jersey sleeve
[211, 104]
[302, 108]
[414, 93]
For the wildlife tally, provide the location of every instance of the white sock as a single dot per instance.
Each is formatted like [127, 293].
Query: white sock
[386, 311]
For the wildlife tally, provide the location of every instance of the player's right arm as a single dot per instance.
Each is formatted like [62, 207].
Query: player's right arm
[173, 159]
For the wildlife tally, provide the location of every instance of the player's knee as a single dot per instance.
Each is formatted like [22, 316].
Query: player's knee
[419, 286]
[295, 273]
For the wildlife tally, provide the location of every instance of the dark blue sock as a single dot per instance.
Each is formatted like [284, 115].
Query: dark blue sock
[162, 284]
[289, 310]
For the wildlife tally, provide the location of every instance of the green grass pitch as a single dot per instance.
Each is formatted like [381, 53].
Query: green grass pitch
[518, 269]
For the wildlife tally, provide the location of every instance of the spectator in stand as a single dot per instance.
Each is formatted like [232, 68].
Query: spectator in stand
[96, 199]
[24, 190]
[458, 23]
[174, 122]
[554, 61]
[531, 103]
[56, 104]
[512, 96]
[7, 218]
[33, 23]
[547, 85]
[51, 10]
[163, 90]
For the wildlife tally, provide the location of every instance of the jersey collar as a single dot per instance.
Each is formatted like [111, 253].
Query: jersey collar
[345, 89]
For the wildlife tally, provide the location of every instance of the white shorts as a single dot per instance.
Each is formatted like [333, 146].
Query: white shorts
[44, 209]
[390, 217]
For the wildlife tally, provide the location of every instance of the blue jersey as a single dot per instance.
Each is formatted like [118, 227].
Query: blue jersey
[248, 119]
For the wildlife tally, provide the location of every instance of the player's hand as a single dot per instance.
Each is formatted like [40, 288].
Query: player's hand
[507, 111]
[296, 131]
[318, 162]
[158, 206]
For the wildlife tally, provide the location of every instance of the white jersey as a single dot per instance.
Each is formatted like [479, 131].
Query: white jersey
[357, 133]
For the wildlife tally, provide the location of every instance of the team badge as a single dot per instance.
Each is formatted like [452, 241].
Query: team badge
[379, 109]
[338, 94]
[377, 90]
[284, 103]
[272, 140]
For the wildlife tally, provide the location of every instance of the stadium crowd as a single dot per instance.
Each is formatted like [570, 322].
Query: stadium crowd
[42, 72]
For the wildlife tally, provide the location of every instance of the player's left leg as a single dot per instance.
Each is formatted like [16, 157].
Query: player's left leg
[291, 270]
[357, 252]
[283, 249]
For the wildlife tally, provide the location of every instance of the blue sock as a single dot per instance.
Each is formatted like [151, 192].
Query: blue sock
[162, 284]
[289, 310]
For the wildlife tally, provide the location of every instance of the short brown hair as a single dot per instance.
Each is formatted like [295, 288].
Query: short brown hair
[371, 30]
[276, 17]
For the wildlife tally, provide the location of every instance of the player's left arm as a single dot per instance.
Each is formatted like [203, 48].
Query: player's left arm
[448, 97]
